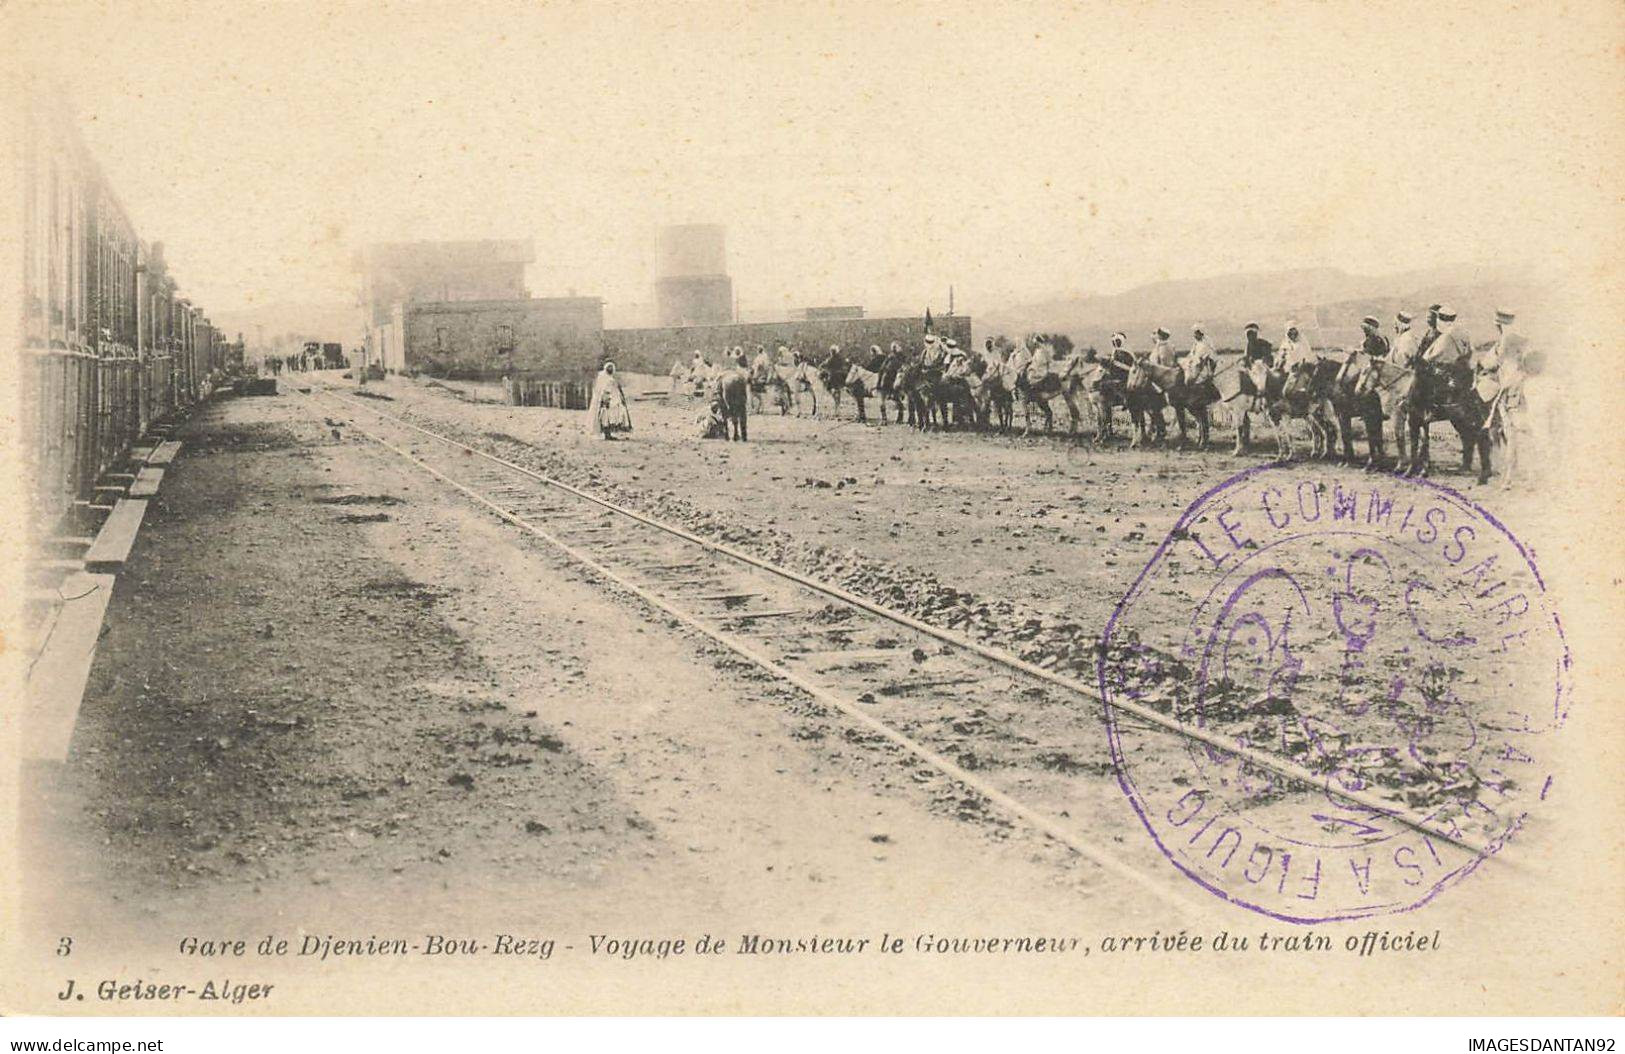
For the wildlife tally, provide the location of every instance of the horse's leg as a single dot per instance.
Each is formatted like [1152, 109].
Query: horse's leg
[1241, 433]
[1202, 427]
[1072, 412]
[1509, 453]
[1345, 429]
[1459, 416]
[1375, 455]
[1481, 439]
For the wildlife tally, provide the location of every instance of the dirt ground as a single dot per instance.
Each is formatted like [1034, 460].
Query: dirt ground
[328, 692]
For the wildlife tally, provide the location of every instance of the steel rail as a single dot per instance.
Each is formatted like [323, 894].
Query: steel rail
[1037, 820]
[1424, 825]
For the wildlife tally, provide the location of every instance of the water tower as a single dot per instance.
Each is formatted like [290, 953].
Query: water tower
[694, 288]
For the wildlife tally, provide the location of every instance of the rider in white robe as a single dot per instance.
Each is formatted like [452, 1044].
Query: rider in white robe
[1294, 350]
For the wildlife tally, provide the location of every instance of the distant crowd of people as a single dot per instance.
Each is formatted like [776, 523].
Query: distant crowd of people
[1432, 364]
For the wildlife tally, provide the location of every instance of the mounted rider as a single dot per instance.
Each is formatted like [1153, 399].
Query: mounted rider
[1015, 367]
[1446, 354]
[1519, 408]
[1258, 349]
[992, 358]
[1201, 362]
[1295, 352]
[833, 370]
[1121, 356]
[1431, 334]
[932, 354]
[1373, 345]
[1162, 352]
[1257, 362]
[1500, 363]
[1042, 363]
[1406, 344]
[1451, 346]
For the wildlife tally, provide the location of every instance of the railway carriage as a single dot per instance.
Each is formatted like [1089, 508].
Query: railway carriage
[108, 347]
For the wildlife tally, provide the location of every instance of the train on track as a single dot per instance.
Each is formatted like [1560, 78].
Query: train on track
[109, 345]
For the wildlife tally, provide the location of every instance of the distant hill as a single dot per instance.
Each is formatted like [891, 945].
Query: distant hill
[1327, 303]
[291, 323]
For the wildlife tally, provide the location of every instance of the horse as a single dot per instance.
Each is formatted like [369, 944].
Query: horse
[1353, 396]
[1445, 392]
[994, 400]
[1303, 393]
[886, 387]
[1064, 384]
[1184, 394]
[730, 394]
[1108, 389]
[762, 378]
[793, 379]
[956, 393]
[918, 381]
[862, 383]
[832, 375]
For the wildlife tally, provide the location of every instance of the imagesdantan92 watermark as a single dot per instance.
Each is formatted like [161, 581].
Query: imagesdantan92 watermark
[1538, 1043]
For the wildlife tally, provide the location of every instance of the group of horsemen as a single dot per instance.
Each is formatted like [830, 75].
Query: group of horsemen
[1414, 374]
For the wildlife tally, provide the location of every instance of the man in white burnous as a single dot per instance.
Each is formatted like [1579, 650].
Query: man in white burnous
[607, 411]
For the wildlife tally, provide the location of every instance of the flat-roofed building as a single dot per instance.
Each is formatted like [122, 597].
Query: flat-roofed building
[557, 338]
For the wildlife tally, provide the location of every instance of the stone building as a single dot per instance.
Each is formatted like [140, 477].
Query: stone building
[558, 338]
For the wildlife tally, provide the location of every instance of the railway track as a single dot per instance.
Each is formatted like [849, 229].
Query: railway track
[987, 720]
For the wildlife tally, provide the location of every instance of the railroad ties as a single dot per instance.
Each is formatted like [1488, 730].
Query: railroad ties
[1027, 744]
[945, 710]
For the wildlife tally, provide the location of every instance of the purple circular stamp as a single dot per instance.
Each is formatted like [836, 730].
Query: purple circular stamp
[1329, 696]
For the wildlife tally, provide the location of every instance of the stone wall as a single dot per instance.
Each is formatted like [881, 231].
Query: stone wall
[556, 338]
[652, 350]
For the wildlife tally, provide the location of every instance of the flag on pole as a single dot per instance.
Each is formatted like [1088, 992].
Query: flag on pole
[928, 320]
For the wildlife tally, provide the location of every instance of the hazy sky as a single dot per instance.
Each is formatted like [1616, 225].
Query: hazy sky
[856, 152]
